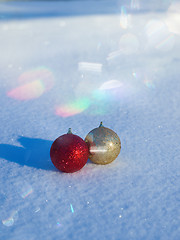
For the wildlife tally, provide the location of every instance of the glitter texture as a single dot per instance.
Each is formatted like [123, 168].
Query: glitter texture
[104, 145]
[69, 153]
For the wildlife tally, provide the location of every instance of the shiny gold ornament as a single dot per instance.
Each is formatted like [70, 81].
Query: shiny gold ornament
[104, 145]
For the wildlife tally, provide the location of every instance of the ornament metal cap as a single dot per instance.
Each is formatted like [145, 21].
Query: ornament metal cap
[101, 124]
[69, 131]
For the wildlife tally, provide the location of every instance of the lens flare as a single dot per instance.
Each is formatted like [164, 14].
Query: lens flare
[113, 55]
[110, 84]
[173, 18]
[113, 90]
[72, 209]
[73, 108]
[27, 192]
[37, 210]
[58, 224]
[27, 91]
[91, 67]
[99, 100]
[159, 36]
[32, 84]
[8, 222]
[125, 19]
[166, 43]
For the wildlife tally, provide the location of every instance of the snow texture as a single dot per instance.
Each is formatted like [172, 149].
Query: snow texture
[74, 64]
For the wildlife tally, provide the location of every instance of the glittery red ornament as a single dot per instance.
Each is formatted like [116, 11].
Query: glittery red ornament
[69, 153]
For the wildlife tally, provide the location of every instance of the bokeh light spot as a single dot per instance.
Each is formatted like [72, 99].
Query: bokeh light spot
[8, 222]
[113, 90]
[173, 18]
[110, 84]
[32, 84]
[27, 91]
[73, 108]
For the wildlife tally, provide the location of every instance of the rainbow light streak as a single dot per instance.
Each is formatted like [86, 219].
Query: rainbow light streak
[10, 221]
[124, 18]
[108, 92]
[74, 108]
[92, 67]
[154, 27]
[123, 10]
[72, 210]
[32, 84]
[159, 35]
[27, 193]
[166, 43]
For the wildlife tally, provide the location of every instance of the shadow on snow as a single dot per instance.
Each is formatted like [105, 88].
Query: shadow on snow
[33, 153]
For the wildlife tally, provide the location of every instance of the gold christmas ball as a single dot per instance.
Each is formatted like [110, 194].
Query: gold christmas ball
[104, 145]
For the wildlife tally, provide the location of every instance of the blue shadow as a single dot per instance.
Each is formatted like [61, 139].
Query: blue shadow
[33, 153]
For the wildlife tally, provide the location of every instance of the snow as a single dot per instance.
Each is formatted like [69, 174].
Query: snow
[73, 64]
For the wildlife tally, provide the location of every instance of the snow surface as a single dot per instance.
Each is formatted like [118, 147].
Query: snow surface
[74, 64]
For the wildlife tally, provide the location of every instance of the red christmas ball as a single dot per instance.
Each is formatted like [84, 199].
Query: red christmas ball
[69, 153]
